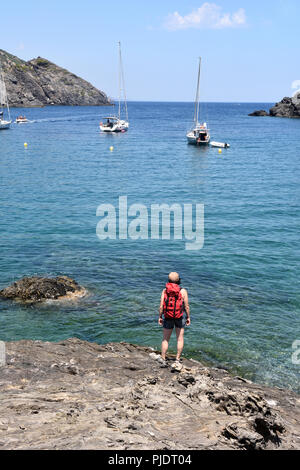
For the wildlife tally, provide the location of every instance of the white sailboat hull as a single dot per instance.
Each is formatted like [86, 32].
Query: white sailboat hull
[195, 140]
[5, 124]
[119, 126]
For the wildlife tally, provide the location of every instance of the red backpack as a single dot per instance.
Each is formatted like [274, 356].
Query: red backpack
[173, 301]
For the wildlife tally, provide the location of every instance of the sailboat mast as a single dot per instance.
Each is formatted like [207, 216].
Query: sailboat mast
[125, 99]
[3, 94]
[196, 115]
[1, 89]
[119, 79]
[122, 85]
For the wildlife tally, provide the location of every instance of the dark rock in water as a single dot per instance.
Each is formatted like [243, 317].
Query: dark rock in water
[288, 107]
[79, 395]
[261, 112]
[40, 82]
[36, 289]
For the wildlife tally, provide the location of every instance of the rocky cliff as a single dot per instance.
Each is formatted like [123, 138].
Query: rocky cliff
[39, 82]
[287, 107]
[79, 395]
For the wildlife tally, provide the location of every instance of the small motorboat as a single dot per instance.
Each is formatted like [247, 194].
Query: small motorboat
[223, 145]
[21, 120]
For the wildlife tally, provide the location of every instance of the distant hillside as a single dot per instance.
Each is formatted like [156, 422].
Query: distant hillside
[39, 82]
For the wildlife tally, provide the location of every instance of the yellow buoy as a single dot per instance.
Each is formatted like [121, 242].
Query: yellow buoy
[220, 150]
[111, 148]
[25, 144]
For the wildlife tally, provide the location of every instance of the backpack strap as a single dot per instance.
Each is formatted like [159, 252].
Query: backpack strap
[183, 304]
[174, 311]
[166, 302]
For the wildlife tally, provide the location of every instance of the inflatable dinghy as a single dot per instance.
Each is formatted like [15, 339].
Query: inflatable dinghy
[223, 145]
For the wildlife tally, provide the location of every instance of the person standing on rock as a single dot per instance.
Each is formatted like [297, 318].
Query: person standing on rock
[173, 303]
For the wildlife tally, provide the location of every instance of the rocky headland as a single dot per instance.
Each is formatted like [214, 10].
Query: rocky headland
[38, 289]
[287, 107]
[39, 82]
[79, 395]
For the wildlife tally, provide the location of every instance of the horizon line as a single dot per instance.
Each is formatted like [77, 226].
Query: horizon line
[183, 101]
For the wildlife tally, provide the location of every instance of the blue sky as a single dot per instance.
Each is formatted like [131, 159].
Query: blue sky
[250, 49]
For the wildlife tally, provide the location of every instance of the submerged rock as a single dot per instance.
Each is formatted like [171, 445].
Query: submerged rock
[79, 395]
[37, 289]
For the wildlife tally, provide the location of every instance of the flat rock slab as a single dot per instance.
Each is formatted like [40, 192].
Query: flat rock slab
[37, 289]
[79, 395]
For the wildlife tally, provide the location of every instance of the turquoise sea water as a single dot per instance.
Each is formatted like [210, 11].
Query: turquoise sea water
[243, 284]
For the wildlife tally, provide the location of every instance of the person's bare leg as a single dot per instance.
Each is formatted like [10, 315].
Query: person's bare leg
[165, 342]
[180, 342]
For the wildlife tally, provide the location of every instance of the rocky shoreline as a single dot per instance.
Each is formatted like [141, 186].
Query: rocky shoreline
[79, 395]
[287, 107]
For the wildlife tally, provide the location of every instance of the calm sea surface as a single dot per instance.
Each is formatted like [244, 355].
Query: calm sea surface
[243, 285]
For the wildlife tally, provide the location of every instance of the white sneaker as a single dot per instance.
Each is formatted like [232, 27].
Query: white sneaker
[162, 362]
[176, 366]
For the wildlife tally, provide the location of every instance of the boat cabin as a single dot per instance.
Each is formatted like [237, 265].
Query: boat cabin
[201, 132]
[111, 121]
[201, 135]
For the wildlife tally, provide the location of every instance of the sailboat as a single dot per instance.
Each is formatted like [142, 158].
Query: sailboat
[4, 123]
[115, 123]
[199, 134]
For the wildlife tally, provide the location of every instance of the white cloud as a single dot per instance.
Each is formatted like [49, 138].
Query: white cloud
[296, 84]
[296, 95]
[209, 16]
